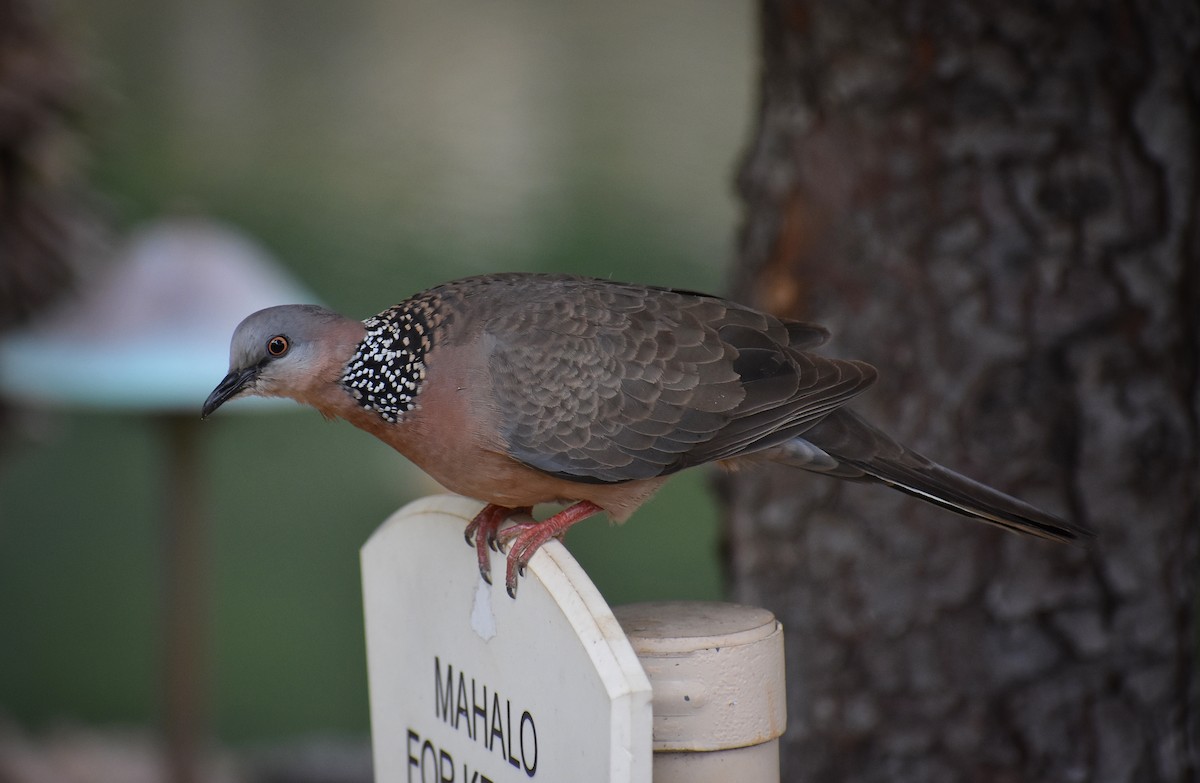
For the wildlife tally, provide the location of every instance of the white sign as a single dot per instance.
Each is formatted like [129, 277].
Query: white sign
[470, 686]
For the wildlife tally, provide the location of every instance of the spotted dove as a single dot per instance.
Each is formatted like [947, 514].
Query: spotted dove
[519, 389]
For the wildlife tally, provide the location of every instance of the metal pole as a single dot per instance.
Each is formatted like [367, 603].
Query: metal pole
[185, 605]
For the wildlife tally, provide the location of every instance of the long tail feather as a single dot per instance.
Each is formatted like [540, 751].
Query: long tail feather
[845, 446]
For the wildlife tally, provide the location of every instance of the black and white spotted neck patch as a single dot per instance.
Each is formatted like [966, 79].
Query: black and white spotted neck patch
[386, 372]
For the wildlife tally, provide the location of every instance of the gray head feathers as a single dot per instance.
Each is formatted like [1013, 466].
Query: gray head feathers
[278, 352]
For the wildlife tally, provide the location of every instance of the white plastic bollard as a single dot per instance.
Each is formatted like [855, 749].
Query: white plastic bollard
[717, 673]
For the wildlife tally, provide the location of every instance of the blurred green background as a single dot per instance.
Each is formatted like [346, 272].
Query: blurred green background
[375, 147]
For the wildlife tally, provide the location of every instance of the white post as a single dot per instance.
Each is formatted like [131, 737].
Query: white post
[717, 674]
[470, 686]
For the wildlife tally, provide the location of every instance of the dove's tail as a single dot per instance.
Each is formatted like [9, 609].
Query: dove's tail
[844, 445]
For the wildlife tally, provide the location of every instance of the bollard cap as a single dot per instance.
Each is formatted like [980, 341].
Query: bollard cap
[716, 669]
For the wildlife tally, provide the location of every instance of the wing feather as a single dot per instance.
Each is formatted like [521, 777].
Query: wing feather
[607, 382]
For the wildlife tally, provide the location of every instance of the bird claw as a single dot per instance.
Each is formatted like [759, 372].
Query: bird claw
[516, 565]
[482, 533]
[514, 568]
[525, 538]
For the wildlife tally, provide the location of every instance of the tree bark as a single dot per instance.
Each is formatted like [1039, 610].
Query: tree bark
[998, 205]
[41, 225]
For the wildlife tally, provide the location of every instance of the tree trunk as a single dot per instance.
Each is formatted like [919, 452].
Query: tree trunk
[45, 230]
[41, 230]
[998, 205]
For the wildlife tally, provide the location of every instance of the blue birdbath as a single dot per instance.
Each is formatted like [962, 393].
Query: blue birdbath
[148, 335]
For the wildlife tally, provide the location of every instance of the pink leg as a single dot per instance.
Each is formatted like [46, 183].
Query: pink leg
[531, 537]
[481, 533]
